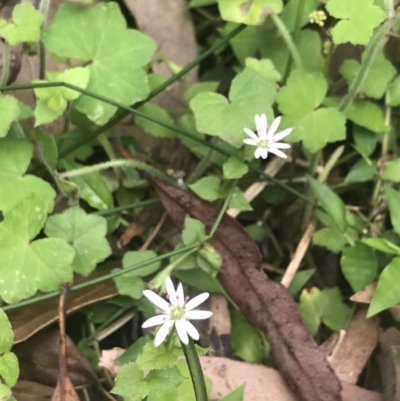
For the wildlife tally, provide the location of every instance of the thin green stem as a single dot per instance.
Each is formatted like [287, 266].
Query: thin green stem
[113, 274]
[195, 370]
[135, 205]
[116, 163]
[369, 56]
[44, 9]
[224, 207]
[330, 164]
[5, 72]
[289, 41]
[201, 166]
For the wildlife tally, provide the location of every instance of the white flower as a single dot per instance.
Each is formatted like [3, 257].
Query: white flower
[266, 140]
[176, 313]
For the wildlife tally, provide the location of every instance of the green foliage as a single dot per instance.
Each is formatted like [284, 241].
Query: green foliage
[253, 13]
[15, 156]
[85, 233]
[24, 25]
[234, 168]
[324, 306]
[9, 111]
[250, 94]
[116, 54]
[26, 265]
[235, 395]
[299, 100]
[53, 101]
[358, 19]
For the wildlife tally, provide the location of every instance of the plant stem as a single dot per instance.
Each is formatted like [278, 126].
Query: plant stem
[201, 166]
[127, 207]
[44, 9]
[289, 41]
[116, 163]
[5, 73]
[223, 209]
[195, 370]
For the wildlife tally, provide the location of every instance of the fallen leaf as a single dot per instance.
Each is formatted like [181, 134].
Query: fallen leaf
[32, 391]
[266, 304]
[364, 296]
[355, 349]
[133, 230]
[108, 357]
[28, 320]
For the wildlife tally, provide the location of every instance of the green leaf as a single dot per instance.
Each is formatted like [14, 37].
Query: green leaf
[85, 233]
[361, 171]
[201, 3]
[289, 13]
[198, 278]
[393, 93]
[246, 340]
[133, 351]
[251, 12]
[391, 171]
[193, 232]
[6, 333]
[24, 26]
[330, 238]
[250, 94]
[359, 265]
[393, 201]
[299, 100]
[9, 111]
[330, 202]
[358, 20]
[235, 395]
[387, 293]
[155, 357]
[25, 265]
[130, 285]
[5, 393]
[116, 54]
[239, 201]
[92, 187]
[135, 257]
[324, 306]
[200, 87]
[234, 168]
[48, 148]
[207, 188]
[380, 73]
[382, 244]
[264, 67]
[209, 259]
[9, 368]
[53, 101]
[130, 383]
[15, 157]
[164, 381]
[158, 113]
[365, 140]
[299, 281]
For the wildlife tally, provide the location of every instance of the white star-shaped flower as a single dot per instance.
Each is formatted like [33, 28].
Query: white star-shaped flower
[176, 313]
[266, 138]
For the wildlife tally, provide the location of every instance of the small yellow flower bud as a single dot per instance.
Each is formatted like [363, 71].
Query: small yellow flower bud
[317, 17]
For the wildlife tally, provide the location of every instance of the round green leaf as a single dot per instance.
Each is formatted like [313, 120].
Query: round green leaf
[116, 54]
[6, 333]
[130, 383]
[234, 168]
[85, 233]
[9, 368]
[207, 188]
[134, 257]
[9, 111]
[250, 94]
[391, 171]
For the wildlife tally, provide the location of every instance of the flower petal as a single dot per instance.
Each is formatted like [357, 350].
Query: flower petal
[261, 152]
[198, 314]
[196, 301]
[180, 326]
[180, 296]
[172, 297]
[251, 134]
[163, 333]
[282, 134]
[155, 321]
[274, 127]
[261, 124]
[192, 331]
[157, 300]
[278, 152]
[279, 145]
[250, 142]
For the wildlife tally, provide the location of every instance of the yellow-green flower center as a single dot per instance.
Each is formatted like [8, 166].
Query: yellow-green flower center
[263, 144]
[177, 313]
